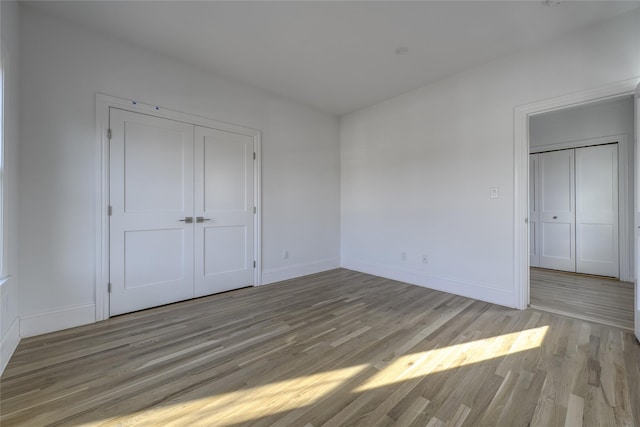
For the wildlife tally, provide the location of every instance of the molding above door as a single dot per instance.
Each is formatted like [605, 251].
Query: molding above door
[612, 139]
[103, 103]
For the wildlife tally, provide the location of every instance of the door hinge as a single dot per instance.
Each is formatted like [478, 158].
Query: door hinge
[254, 156]
[255, 210]
[109, 287]
[254, 264]
[109, 134]
[109, 210]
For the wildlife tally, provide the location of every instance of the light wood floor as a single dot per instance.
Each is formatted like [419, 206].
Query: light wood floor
[593, 298]
[336, 348]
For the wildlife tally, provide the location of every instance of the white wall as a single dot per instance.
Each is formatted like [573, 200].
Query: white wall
[584, 122]
[416, 169]
[9, 322]
[62, 68]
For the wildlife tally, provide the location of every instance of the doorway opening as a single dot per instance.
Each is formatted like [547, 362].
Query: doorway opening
[557, 112]
[580, 209]
[598, 299]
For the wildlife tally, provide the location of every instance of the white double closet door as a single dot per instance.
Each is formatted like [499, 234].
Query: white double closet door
[574, 210]
[182, 208]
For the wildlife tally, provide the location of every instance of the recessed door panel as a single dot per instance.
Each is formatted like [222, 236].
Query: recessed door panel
[225, 174]
[151, 194]
[557, 182]
[224, 250]
[154, 168]
[556, 243]
[154, 257]
[557, 210]
[597, 210]
[598, 244]
[224, 185]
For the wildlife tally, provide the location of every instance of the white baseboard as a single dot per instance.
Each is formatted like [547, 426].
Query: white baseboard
[9, 343]
[56, 320]
[279, 274]
[479, 291]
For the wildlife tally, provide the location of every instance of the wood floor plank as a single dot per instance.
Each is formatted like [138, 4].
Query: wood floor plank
[338, 348]
[414, 410]
[575, 411]
[458, 418]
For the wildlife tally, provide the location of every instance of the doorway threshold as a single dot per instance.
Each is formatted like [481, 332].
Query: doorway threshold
[592, 298]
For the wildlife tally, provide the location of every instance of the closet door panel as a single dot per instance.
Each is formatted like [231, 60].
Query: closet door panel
[224, 230]
[151, 195]
[556, 210]
[597, 210]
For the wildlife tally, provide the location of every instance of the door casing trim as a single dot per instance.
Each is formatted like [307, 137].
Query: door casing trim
[103, 104]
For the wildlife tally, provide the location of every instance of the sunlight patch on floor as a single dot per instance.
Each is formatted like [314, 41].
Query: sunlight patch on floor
[249, 403]
[437, 360]
[253, 403]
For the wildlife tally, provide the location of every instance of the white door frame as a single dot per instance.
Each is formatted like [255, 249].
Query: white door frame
[103, 103]
[521, 171]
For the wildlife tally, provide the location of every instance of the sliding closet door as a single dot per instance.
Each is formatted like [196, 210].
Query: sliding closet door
[534, 244]
[224, 209]
[557, 210]
[597, 210]
[151, 198]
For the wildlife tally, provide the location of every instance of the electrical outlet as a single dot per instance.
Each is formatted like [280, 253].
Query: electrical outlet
[285, 254]
[425, 259]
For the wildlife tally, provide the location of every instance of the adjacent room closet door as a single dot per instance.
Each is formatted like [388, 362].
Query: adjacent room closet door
[575, 201]
[557, 210]
[597, 210]
[534, 244]
[224, 211]
[637, 217]
[151, 197]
